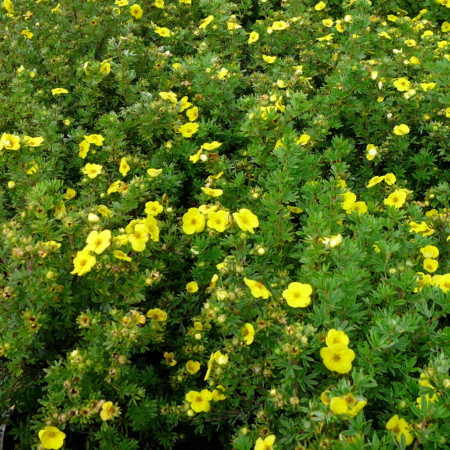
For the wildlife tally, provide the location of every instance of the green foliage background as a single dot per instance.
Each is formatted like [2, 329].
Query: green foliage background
[54, 370]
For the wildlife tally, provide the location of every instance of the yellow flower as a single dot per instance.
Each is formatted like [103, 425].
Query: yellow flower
[170, 359]
[397, 199]
[253, 37]
[159, 4]
[157, 314]
[325, 397]
[124, 168]
[336, 337]
[429, 251]
[70, 194]
[445, 27]
[279, 25]
[402, 84]
[347, 405]
[96, 139]
[188, 129]
[297, 295]
[390, 179]
[337, 358]
[172, 97]
[214, 145]
[269, 59]
[385, 35]
[121, 2]
[443, 281]
[320, 6]
[187, 2]
[119, 254]
[184, 104]
[193, 221]
[429, 399]
[294, 209]
[153, 208]
[328, 22]
[92, 170]
[163, 31]
[51, 438]
[199, 400]
[333, 241]
[192, 287]
[257, 289]
[421, 228]
[401, 429]
[153, 173]
[117, 186]
[10, 142]
[9, 6]
[218, 220]
[410, 42]
[136, 11]
[212, 192]
[205, 22]
[192, 367]
[192, 114]
[246, 220]
[139, 237]
[59, 91]
[83, 263]
[303, 139]
[27, 34]
[83, 147]
[372, 151]
[105, 68]
[266, 444]
[401, 130]
[328, 37]
[430, 265]
[109, 411]
[427, 86]
[218, 394]
[414, 60]
[98, 242]
[248, 333]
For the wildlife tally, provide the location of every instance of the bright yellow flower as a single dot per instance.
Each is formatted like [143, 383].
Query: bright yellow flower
[163, 31]
[328, 22]
[10, 142]
[9, 6]
[211, 145]
[139, 237]
[70, 194]
[170, 359]
[410, 42]
[153, 208]
[303, 139]
[397, 199]
[248, 333]
[159, 4]
[121, 2]
[253, 37]
[212, 192]
[337, 358]
[33, 141]
[430, 265]
[385, 35]
[98, 242]
[188, 129]
[205, 22]
[109, 411]
[218, 220]
[325, 397]
[105, 68]
[136, 11]
[390, 179]
[443, 281]
[445, 27]
[124, 168]
[218, 394]
[400, 428]
[279, 25]
[59, 91]
[96, 139]
[347, 405]
[92, 170]
[157, 314]
[199, 400]
[183, 104]
[257, 289]
[83, 147]
[153, 173]
[429, 251]
[192, 367]
[401, 130]
[297, 295]
[336, 337]
[427, 86]
[193, 221]
[192, 114]
[246, 220]
[51, 438]
[172, 97]
[119, 254]
[402, 84]
[328, 37]
[269, 59]
[320, 6]
[117, 186]
[83, 263]
[421, 228]
[192, 287]
[266, 444]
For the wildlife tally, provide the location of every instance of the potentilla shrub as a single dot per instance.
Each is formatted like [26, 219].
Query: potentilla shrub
[225, 224]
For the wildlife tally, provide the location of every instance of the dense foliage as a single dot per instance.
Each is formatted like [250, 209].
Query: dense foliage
[225, 223]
